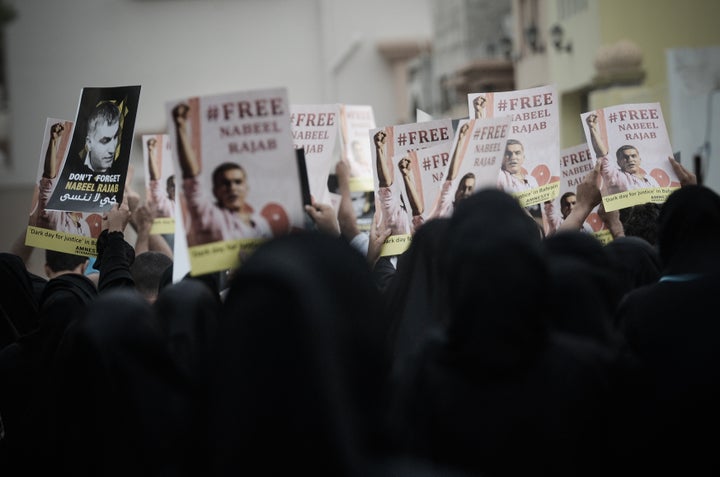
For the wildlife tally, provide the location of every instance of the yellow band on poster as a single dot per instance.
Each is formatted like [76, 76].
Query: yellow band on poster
[604, 236]
[218, 256]
[163, 225]
[60, 241]
[621, 200]
[361, 184]
[538, 195]
[395, 245]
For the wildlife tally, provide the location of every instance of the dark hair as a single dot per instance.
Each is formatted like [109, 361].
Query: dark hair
[621, 149]
[61, 261]
[106, 111]
[147, 270]
[565, 196]
[513, 142]
[469, 175]
[641, 221]
[220, 170]
[170, 182]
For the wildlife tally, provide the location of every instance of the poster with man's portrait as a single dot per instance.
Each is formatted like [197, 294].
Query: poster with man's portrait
[63, 231]
[93, 175]
[355, 122]
[159, 182]
[240, 180]
[632, 145]
[530, 169]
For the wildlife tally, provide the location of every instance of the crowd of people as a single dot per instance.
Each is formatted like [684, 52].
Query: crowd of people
[485, 349]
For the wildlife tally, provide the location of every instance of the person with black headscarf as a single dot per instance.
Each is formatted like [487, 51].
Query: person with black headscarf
[414, 298]
[121, 405]
[19, 303]
[634, 261]
[19, 316]
[25, 365]
[585, 290]
[500, 393]
[300, 366]
[187, 315]
[672, 328]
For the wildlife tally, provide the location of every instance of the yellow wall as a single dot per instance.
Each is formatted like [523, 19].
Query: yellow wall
[574, 69]
[654, 26]
[571, 131]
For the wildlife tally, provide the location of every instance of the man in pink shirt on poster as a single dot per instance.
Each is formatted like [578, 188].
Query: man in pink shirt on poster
[230, 217]
[629, 175]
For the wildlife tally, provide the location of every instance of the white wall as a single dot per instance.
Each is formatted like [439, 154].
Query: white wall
[694, 83]
[178, 48]
[321, 50]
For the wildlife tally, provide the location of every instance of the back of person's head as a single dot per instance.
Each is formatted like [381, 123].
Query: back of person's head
[585, 289]
[689, 229]
[300, 360]
[17, 299]
[147, 271]
[104, 113]
[59, 262]
[187, 317]
[635, 262]
[115, 377]
[641, 221]
[497, 280]
[415, 298]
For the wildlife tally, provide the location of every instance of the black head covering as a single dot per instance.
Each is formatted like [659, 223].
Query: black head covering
[300, 361]
[641, 221]
[187, 314]
[415, 298]
[500, 394]
[63, 300]
[584, 291]
[635, 262]
[689, 230]
[18, 305]
[497, 283]
[120, 400]
[672, 327]
[114, 258]
[26, 368]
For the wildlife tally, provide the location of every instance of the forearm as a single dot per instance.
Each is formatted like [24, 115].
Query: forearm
[153, 166]
[188, 161]
[416, 203]
[382, 168]
[576, 218]
[157, 243]
[454, 164]
[50, 165]
[114, 258]
[597, 143]
[142, 242]
[612, 222]
[553, 218]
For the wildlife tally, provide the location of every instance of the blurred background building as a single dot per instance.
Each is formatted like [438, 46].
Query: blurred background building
[396, 55]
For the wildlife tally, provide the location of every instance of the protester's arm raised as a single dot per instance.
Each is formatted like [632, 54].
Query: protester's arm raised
[189, 163]
[588, 196]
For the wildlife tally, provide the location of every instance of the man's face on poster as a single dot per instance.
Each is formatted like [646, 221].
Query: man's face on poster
[230, 190]
[629, 160]
[567, 204]
[101, 144]
[465, 188]
[513, 158]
